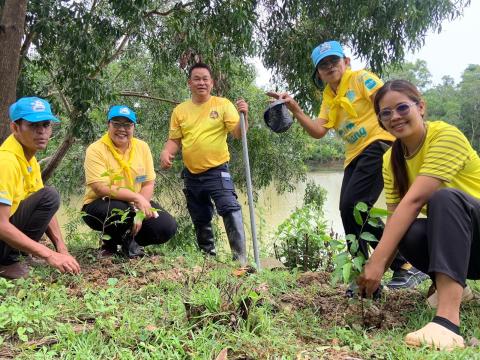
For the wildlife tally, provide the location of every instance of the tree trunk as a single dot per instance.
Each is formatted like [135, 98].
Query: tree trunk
[12, 25]
[58, 156]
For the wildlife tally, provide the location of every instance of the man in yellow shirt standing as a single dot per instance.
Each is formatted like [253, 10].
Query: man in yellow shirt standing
[27, 208]
[199, 127]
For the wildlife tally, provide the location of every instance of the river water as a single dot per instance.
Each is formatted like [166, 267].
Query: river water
[272, 208]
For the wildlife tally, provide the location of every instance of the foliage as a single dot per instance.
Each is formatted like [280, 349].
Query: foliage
[379, 31]
[417, 73]
[303, 241]
[328, 149]
[349, 263]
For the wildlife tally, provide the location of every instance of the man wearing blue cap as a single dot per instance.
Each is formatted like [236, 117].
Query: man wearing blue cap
[347, 107]
[119, 175]
[27, 207]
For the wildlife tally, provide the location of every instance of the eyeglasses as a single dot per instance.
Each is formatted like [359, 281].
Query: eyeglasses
[402, 109]
[119, 125]
[328, 63]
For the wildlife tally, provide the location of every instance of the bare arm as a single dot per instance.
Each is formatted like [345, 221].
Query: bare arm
[55, 235]
[18, 240]
[171, 148]
[397, 225]
[314, 128]
[147, 190]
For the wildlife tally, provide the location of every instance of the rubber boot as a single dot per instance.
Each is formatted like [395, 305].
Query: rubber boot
[236, 236]
[130, 247]
[205, 239]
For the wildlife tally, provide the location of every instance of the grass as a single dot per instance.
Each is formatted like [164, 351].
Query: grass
[176, 304]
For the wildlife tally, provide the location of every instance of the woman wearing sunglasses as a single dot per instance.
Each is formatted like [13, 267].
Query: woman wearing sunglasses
[432, 168]
[347, 107]
[120, 180]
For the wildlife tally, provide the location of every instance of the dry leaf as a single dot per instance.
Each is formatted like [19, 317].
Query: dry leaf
[222, 355]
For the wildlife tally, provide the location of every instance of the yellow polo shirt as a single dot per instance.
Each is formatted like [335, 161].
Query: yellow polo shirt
[446, 154]
[19, 178]
[101, 166]
[360, 132]
[203, 132]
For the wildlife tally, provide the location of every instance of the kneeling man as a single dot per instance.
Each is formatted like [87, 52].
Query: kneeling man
[27, 207]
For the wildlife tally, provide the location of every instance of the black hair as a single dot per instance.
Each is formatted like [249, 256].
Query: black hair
[199, 65]
[399, 167]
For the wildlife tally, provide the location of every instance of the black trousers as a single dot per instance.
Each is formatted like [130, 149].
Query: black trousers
[448, 240]
[32, 218]
[153, 231]
[363, 181]
[200, 189]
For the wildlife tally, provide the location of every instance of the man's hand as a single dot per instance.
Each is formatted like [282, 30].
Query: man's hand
[369, 279]
[290, 102]
[63, 262]
[242, 106]
[166, 159]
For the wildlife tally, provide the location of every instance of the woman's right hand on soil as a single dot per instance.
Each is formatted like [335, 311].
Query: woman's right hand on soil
[370, 278]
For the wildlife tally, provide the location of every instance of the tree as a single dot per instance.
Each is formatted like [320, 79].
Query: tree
[417, 73]
[72, 49]
[469, 88]
[11, 32]
[443, 102]
[379, 31]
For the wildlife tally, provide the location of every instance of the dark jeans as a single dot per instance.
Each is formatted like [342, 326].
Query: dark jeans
[200, 189]
[448, 240]
[153, 231]
[32, 218]
[363, 181]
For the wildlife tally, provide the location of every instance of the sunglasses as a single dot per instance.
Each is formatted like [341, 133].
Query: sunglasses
[403, 109]
[328, 63]
[119, 125]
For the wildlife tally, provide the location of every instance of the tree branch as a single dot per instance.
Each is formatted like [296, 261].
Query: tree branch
[25, 46]
[65, 102]
[107, 60]
[175, 7]
[139, 95]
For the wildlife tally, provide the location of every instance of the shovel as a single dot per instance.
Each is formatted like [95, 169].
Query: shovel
[249, 190]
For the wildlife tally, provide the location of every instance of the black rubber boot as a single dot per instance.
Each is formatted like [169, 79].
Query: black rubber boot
[130, 247]
[236, 235]
[205, 239]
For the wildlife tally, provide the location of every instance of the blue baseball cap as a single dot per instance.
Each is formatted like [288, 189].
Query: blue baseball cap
[328, 48]
[32, 109]
[122, 111]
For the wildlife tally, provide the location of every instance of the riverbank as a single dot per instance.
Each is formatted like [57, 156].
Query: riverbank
[174, 304]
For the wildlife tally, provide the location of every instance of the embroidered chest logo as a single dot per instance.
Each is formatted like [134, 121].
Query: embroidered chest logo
[214, 114]
[350, 95]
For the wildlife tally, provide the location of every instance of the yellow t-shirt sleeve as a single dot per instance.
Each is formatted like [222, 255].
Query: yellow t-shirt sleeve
[446, 155]
[230, 115]
[149, 168]
[9, 177]
[323, 114]
[175, 131]
[368, 83]
[391, 194]
[95, 166]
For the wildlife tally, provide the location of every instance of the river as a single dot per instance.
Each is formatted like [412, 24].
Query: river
[272, 208]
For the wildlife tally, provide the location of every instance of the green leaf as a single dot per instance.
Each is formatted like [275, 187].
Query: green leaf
[374, 222]
[346, 272]
[361, 206]
[377, 212]
[106, 237]
[357, 216]
[21, 334]
[354, 246]
[358, 262]
[368, 236]
[139, 216]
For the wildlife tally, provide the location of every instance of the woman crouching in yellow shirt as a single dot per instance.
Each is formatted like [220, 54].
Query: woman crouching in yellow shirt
[119, 174]
[431, 166]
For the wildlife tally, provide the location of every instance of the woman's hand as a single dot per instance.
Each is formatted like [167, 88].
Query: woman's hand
[290, 102]
[369, 279]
